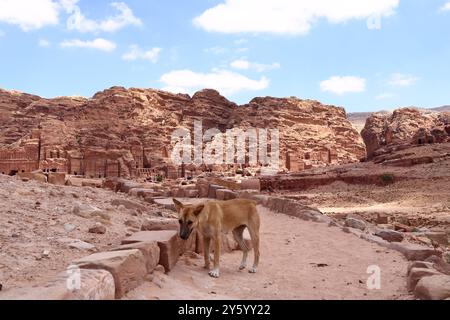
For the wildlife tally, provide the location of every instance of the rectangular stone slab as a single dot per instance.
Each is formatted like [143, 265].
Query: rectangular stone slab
[128, 268]
[414, 252]
[167, 241]
[150, 250]
[93, 285]
[57, 178]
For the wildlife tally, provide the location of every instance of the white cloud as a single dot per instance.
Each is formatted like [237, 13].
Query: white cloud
[240, 41]
[385, 96]
[136, 53]
[224, 81]
[402, 80]
[77, 21]
[287, 16]
[243, 64]
[341, 85]
[241, 50]
[44, 43]
[99, 44]
[216, 50]
[446, 7]
[29, 15]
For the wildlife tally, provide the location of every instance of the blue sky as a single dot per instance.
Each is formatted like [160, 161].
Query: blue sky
[364, 55]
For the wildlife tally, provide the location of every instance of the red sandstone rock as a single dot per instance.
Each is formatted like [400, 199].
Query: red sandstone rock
[384, 131]
[435, 287]
[225, 194]
[138, 144]
[129, 204]
[58, 178]
[98, 229]
[251, 184]
[158, 224]
[167, 241]
[416, 274]
[150, 250]
[414, 252]
[128, 267]
[93, 285]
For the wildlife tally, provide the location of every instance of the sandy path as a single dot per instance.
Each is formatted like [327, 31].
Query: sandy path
[291, 250]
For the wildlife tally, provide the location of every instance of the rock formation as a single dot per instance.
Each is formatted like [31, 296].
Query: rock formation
[403, 128]
[127, 132]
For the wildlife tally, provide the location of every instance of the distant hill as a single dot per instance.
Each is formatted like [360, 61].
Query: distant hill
[442, 109]
[358, 119]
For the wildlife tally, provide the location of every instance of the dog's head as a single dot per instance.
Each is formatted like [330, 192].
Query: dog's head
[188, 217]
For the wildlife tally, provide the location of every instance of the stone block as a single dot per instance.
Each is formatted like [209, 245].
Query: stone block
[167, 241]
[128, 268]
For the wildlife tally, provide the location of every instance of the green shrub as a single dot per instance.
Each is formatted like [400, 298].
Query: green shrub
[387, 178]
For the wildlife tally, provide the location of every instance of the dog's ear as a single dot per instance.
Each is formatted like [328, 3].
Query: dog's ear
[198, 209]
[178, 204]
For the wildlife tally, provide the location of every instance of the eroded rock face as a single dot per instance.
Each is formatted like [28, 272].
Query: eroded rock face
[407, 126]
[126, 132]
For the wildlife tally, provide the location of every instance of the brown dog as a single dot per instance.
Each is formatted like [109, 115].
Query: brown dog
[213, 218]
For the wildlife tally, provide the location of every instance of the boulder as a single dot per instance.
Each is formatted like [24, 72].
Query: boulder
[438, 237]
[419, 264]
[166, 203]
[93, 183]
[212, 191]
[414, 252]
[129, 204]
[202, 187]
[355, 223]
[390, 235]
[382, 218]
[192, 193]
[157, 224]
[251, 184]
[36, 176]
[435, 287]
[77, 244]
[57, 178]
[225, 194]
[167, 241]
[128, 268]
[113, 183]
[98, 229]
[416, 274]
[73, 284]
[143, 192]
[150, 250]
[85, 210]
[126, 186]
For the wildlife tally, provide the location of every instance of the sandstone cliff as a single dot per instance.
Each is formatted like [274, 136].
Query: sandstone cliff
[119, 132]
[404, 127]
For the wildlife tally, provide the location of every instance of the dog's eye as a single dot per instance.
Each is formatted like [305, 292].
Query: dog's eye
[190, 222]
[180, 221]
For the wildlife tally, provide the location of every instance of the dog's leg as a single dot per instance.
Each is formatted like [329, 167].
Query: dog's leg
[254, 234]
[215, 271]
[238, 234]
[206, 249]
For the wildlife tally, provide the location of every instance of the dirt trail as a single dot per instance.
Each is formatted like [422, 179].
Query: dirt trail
[299, 260]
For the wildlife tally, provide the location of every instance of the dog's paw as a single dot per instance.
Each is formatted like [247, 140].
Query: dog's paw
[242, 267]
[252, 270]
[214, 273]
